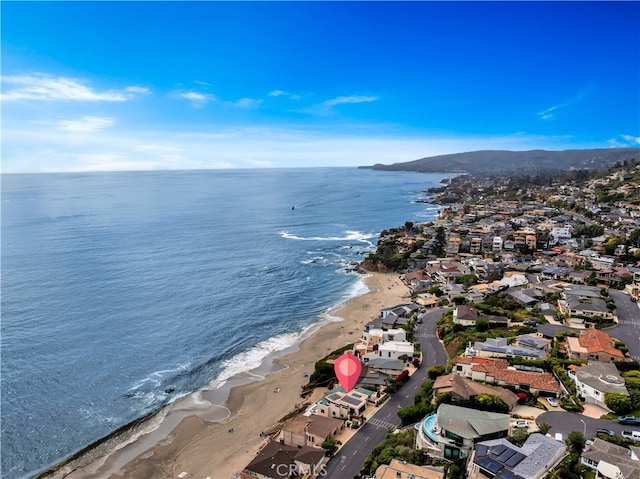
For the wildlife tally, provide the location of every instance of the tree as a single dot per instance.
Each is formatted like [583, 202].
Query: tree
[467, 280]
[543, 428]
[481, 325]
[435, 371]
[576, 441]
[618, 402]
[330, 446]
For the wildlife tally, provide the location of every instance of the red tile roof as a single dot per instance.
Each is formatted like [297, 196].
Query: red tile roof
[596, 341]
[498, 369]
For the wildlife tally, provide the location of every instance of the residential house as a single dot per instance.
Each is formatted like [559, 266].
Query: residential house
[310, 430]
[498, 371]
[501, 459]
[500, 348]
[496, 245]
[615, 277]
[400, 310]
[453, 246]
[344, 405]
[611, 461]
[401, 470]
[528, 297]
[279, 461]
[372, 377]
[427, 300]
[533, 341]
[559, 234]
[577, 309]
[593, 345]
[462, 388]
[396, 349]
[453, 431]
[391, 367]
[556, 272]
[465, 315]
[596, 379]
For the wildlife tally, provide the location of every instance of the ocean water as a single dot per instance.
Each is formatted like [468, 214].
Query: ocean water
[122, 292]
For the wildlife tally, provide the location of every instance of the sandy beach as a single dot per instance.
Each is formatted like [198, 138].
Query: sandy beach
[222, 435]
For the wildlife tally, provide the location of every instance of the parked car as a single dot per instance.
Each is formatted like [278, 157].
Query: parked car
[521, 423]
[608, 432]
[552, 402]
[635, 435]
[631, 420]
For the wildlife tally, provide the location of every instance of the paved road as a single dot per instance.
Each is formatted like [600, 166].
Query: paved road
[628, 328]
[347, 463]
[565, 422]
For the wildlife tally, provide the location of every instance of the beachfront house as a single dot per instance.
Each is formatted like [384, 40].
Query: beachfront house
[396, 350]
[344, 405]
[280, 461]
[310, 430]
[401, 470]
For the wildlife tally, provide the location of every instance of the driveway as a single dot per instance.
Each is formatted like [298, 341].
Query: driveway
[594, 411]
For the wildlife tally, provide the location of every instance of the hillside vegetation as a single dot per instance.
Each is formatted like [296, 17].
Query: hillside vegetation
[516, 162]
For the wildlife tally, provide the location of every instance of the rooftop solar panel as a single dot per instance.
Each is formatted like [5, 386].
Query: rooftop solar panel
[351, 400]
[481, 450]
[499, 449]
[515, 459]
[506, 455]
[490, 465]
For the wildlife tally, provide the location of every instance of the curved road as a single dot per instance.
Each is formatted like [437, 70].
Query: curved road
[348, 461]
[565, 422]
[628, 328]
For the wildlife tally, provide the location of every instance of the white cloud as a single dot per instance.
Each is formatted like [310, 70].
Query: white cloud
[43, 148]
[277, 93]
[548, 114]
[551, 112]
[197, 99]
[137, 89]
[39, 86]
[328, 106]
[350, 99]
[624, 141]
[247, 103]
[86, 124]
[631, 139]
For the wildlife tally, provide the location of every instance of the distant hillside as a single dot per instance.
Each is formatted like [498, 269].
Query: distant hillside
[516, 162]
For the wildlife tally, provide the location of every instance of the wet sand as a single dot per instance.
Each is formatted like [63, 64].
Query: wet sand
[216, 433]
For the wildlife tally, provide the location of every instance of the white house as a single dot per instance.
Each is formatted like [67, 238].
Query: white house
[596, 379]
[560, 234]
[612, 461]
[395, 349]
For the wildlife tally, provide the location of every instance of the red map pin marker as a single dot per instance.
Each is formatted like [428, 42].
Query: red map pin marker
[347, 368]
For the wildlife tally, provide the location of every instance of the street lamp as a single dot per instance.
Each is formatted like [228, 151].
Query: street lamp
[584, 427]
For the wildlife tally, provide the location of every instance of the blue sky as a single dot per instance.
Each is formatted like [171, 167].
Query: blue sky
[176, 85]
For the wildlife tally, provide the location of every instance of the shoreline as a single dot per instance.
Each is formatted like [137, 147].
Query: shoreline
[192, 434]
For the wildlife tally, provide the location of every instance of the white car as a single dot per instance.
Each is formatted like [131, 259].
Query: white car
[552, 402]
[521, 423]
